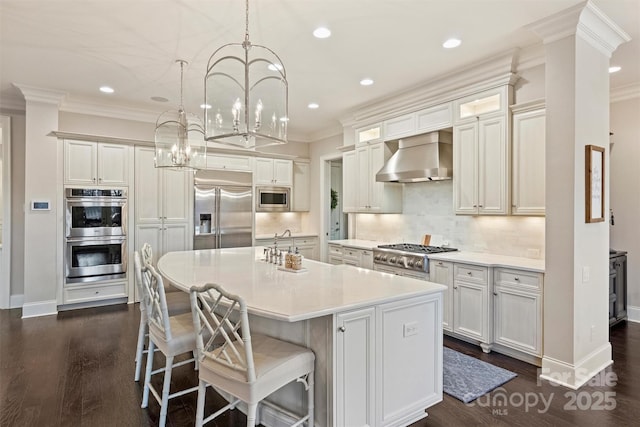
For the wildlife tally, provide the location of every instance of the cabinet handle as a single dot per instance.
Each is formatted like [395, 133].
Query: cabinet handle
[495, 293]
[516, 278]
[342, 329]
[439, 262]
[455, 287]
[475, 206]
[479, 206]
[469, 273]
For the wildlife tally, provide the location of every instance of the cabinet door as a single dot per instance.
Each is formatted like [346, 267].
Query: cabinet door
[442, 272]
[148, 203]
[528, 163]
[492, 167]
[470, 310]
[220, 161]
[301, 187]
[175, 196]
[176, 237]
[465, 168]
[151, 234]
[283, 172]
[376, 189]
[113, 164]
[355, 368]
[264, 171]
[80, 162]
[399, 127]
[364, 181]
[350, 184]
[518, 319]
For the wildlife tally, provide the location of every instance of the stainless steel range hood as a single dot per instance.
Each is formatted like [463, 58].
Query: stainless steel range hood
[427, 157]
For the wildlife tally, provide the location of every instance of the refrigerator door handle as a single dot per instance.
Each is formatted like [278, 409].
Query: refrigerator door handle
[218, 202]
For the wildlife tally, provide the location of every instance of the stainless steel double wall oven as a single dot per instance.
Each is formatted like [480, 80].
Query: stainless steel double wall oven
[96, 238]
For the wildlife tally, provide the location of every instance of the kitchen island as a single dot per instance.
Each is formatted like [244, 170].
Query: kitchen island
[377, 337]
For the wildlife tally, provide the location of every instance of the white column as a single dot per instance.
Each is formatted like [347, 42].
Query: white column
[578, 46]
[42, 245]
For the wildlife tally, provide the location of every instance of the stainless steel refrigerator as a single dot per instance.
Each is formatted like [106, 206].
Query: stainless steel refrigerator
[223, 209]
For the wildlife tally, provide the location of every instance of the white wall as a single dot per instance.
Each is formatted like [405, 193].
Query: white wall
[625, 189]
[428, 209]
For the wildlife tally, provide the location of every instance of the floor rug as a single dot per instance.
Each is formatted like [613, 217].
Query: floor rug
[467, 378]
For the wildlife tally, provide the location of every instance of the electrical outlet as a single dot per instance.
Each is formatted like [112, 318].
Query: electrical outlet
[410, 329]
[586, 274]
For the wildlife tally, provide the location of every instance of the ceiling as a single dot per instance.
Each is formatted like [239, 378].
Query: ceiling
[75, 46]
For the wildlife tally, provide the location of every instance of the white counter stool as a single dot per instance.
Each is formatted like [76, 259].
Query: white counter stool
[176, 304]
[248, 367]
[173, 335]
[147, 259]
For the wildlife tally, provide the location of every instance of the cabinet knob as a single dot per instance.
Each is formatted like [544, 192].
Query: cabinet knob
[516, 278]
[439, 262]
[479, 206]
[342, 329]
[94, 180]
[455, 287]
[495, 293]
[475, 206]
[469, 273]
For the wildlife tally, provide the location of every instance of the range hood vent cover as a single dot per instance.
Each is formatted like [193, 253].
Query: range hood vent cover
[427, 157]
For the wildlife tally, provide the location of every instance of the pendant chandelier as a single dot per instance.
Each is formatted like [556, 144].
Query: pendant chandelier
[246, 95]
[179, 137]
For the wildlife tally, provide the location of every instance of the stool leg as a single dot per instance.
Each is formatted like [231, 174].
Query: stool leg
[202, 390]
[310, 404]
[147, 375]
[142, 330]
[165, 391]
[252, 408]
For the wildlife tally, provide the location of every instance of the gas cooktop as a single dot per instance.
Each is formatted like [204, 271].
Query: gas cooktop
[417, 249]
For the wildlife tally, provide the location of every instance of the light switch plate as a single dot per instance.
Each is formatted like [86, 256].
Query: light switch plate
[410, 329]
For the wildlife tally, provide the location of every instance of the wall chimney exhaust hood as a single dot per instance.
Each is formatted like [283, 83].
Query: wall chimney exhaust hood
[427, 157]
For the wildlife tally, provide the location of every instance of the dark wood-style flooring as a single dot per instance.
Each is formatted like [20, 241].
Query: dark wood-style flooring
[76, 369]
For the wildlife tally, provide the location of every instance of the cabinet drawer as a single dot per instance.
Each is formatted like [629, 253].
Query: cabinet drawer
[335, 250]
[351, 253]
[518, 278]
[84, 293]
[471, 273]
[299, 241]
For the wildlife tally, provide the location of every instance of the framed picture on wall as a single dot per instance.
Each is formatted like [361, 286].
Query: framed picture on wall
[594, 183]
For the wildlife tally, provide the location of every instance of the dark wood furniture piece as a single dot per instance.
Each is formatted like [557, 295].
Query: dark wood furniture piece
[617, 286]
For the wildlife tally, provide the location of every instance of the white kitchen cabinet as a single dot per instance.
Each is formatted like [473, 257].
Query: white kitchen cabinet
[368, 134]
[481, 166]
[229, 162]
[301, 187]
[434, 118]
[528, 175]
[471, 304]
[273, 172]
[377, 352]
[442, 272]
[355, 368]
[92, 292]
[481, 153]
[357, 257]
[517, 313]
[370, 196]
[95, 163]
[400, 127]
[307, 246]
[335, 254]
[162, 205]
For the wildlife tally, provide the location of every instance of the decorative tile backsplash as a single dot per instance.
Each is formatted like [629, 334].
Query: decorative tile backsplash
[270, 223]
[428, 209]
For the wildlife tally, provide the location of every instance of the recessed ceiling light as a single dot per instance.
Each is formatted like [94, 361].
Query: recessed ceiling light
[275, 67]
[614, 69]
[205, 106]
[366, 82]
[313, 106]
[159, 99]
[451, 43]
[322, 32]
[106, 89]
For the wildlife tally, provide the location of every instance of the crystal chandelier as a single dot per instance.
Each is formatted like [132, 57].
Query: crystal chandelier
[179, 137]
[246, 95]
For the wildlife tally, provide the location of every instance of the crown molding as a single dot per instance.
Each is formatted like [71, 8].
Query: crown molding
[536, 104]
[623, 93]
[476, 77]
[530, 57]
[584, 20]
[36, 94]
[90, 107]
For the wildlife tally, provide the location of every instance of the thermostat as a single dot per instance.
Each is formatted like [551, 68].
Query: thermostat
[40, 205]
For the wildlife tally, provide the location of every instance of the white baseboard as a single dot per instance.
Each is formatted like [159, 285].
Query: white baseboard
[633, 314]
[16, 301]
[40, 308]
[576, 375]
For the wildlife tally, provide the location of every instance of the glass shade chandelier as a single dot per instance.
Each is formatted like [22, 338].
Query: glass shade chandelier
[179, 137]
[246, 95]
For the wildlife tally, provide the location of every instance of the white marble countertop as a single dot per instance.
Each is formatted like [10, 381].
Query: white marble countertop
[357, 243]
[294, 235]
[323, 289]
[491, 260]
